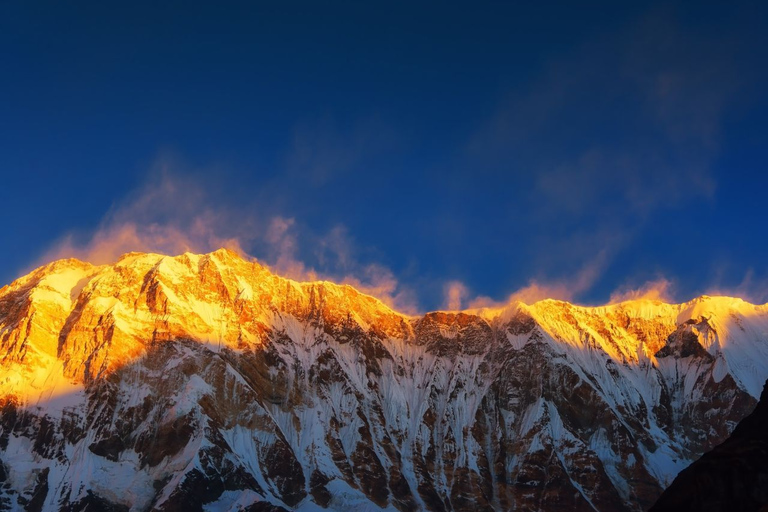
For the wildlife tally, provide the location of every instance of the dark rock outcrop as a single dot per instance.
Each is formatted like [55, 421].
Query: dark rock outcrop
[733, 476]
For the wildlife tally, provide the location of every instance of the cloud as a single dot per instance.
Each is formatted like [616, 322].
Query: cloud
[173, 213]
[566, 289]
[629, 184]
[107, 245]
[334, 252]
[533, 292]
[381, 283]
[169, 215]
[323, 151]
[455, 292]
[659, 289]
[751, 288]
[282, 249]
[611, 136]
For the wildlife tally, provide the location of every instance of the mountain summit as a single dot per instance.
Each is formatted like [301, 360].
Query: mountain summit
[205, 382]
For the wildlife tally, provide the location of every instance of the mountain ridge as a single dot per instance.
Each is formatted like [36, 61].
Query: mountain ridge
[484, 311]
[373, 408]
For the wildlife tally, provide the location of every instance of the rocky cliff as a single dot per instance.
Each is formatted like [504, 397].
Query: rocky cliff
[733, 476]
[205, 382]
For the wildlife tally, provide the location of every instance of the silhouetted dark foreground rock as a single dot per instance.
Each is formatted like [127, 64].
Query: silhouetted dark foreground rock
[733, 476]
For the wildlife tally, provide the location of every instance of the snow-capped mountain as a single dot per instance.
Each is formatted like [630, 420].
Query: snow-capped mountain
[205, 382]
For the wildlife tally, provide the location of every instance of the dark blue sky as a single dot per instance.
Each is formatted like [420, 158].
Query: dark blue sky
[581, 146]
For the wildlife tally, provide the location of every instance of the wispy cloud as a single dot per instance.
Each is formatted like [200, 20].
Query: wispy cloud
[168, 214]
[323, 150]
[658, 289]
[174, 213]
[335, 254]
[612, 136]
[455, 293]
[752, 288]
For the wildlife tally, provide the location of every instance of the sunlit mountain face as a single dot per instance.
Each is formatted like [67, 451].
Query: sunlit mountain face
[207, 382]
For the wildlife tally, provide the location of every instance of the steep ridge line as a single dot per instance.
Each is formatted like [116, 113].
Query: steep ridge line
[208, 380]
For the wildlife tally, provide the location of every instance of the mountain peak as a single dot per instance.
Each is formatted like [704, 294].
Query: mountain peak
[154, 366]
[224, 299]
[238, 263]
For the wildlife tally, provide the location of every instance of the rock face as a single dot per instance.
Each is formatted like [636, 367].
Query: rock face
[733, 476]
[208, 383]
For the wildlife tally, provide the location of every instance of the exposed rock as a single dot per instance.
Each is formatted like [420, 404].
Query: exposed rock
[178, 383]
[733, 476]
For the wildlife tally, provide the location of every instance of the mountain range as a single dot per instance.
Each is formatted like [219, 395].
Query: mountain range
[207, 382]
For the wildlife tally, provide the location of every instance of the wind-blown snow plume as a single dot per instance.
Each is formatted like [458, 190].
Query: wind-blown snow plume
[334, 250]
[171, 214]
[455, 293]
[752, 287]
[659, 289]
[168, 215]
[564, 289]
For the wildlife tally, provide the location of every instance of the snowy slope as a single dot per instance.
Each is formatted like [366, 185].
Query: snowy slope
[205, 382]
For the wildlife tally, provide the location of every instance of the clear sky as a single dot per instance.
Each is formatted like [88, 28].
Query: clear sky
[432, 152]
